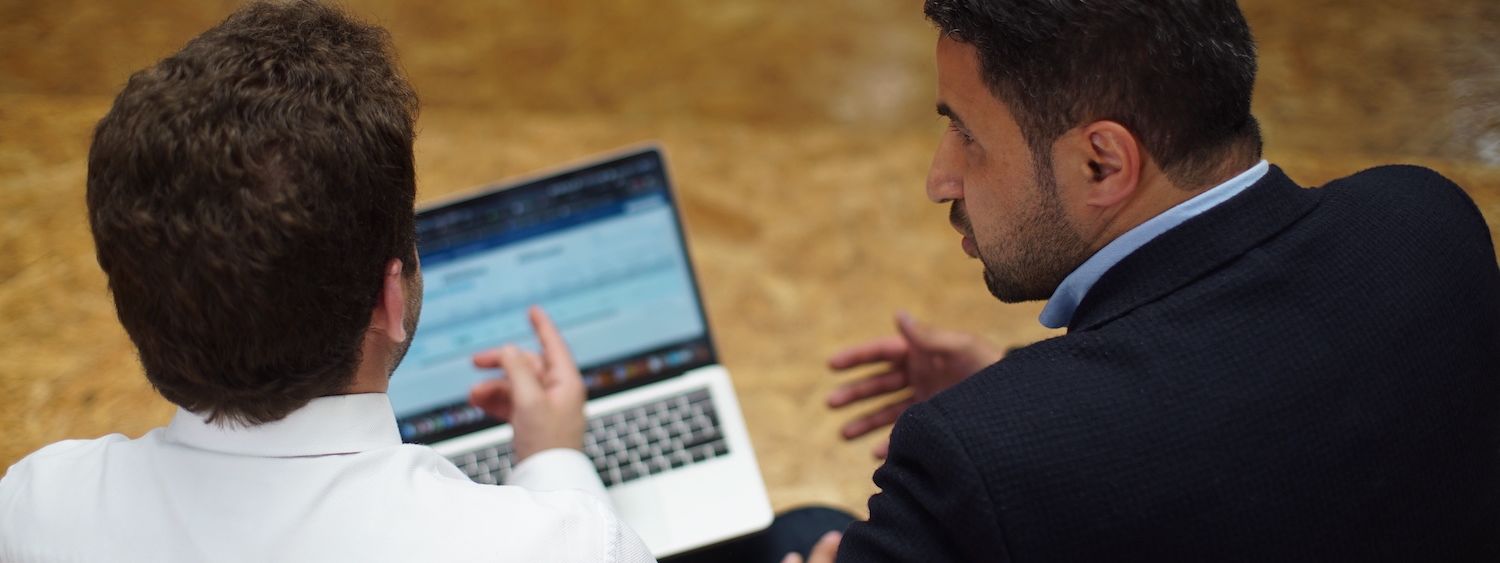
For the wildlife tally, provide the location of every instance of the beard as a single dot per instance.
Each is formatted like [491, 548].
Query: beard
[1044, 248]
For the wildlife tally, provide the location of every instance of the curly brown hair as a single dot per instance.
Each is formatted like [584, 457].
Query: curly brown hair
[244, 195]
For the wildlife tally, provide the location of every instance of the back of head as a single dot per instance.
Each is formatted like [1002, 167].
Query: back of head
[1178, 73]
[244, 196]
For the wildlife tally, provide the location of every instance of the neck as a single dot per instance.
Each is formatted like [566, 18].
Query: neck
[372, 375]
[1157, 193]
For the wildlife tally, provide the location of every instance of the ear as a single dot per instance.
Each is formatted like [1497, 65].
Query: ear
[1114, 163]
[390, 309]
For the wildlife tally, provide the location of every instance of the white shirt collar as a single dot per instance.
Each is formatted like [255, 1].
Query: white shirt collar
[338, 424]
[1064, 302]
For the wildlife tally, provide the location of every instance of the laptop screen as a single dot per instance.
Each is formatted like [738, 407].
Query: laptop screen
[599, 247]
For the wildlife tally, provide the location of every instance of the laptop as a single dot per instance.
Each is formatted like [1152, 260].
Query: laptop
[601, 248]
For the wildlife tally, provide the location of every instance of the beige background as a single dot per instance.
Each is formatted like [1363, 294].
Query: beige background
[798, 132]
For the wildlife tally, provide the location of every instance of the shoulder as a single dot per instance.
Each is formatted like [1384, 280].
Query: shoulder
[1409, 215]
[1408, 195]
[71, 448]
[1004, 454]
[1396, 180]
[41, 491]
[1048, 405]
[64, 456]
[1040, 380]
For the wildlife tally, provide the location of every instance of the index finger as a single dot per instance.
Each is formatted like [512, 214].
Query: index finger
[520, 366]
[554, 349]
[888, 349]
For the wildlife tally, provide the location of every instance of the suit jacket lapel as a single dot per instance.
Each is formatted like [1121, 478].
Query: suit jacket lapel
[1195, 248]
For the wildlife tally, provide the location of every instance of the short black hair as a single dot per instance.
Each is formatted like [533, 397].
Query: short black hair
[1177, 73]
[245, 195]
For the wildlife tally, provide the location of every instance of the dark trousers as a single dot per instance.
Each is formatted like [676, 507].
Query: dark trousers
[792, 531]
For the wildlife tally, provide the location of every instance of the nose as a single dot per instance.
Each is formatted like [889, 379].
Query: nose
[945, 179]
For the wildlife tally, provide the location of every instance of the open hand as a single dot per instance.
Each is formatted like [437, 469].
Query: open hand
[919, 358]
[541, 395]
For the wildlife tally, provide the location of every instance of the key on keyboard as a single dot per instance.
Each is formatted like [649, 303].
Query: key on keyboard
[628, 444]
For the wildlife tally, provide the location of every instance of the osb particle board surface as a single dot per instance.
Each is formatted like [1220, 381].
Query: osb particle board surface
[798, 138]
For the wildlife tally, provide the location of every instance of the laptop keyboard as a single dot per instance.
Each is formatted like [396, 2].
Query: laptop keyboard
[628, 444]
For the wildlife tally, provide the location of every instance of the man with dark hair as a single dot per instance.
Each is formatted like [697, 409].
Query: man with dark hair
[1252, 371]
[251, 199]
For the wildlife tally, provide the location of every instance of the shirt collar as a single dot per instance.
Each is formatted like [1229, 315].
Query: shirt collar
[1060, 308]
[338, 424]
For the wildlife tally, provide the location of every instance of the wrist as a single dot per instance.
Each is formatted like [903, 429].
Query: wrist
[525, 450]
[528, 444]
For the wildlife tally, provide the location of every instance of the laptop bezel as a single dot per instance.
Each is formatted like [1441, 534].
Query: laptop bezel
[519, 187]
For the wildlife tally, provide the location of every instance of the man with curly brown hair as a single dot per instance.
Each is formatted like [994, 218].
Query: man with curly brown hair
[251, 198]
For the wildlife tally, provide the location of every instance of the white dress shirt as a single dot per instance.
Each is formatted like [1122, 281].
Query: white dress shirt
[330, 482]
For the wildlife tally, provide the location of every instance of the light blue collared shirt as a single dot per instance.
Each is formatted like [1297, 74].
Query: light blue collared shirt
[1060, 308]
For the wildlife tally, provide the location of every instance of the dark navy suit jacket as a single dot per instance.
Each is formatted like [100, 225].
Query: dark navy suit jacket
[1294, 375]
